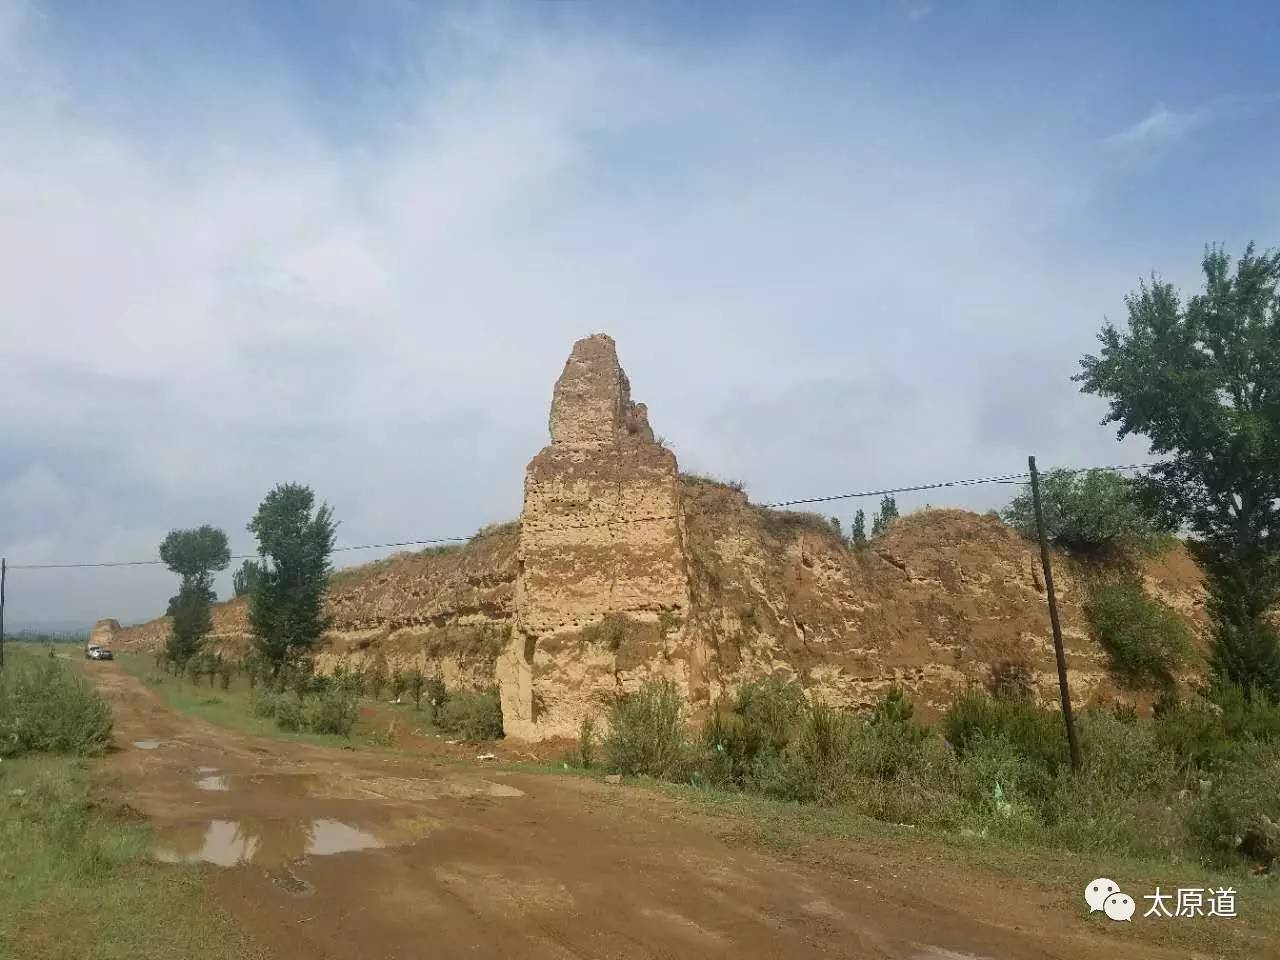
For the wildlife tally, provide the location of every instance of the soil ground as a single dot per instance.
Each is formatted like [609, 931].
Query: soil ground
[323, 852]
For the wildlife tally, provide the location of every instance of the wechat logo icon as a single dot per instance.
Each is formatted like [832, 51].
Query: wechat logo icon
[1103, 894]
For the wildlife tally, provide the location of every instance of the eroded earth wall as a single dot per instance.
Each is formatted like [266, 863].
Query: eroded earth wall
[620, 569]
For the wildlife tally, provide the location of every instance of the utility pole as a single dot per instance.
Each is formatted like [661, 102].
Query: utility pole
[1063, 690]
[3, 571]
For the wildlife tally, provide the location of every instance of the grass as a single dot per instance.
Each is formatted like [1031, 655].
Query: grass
[75, 881]
[75, 878]
[840, 838]
[231, 708]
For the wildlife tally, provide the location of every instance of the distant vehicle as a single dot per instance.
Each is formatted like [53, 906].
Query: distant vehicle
[95, 652]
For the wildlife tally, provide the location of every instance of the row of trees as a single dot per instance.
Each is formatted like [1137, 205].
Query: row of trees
[285, 586]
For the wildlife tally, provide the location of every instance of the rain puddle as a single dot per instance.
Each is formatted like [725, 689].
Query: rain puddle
[214, 782]
[146, 744]
[229, 843]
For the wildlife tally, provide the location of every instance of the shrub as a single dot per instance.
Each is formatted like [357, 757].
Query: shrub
[1010, 678]
[332, 711]
[976, 721]
[46, 708]
[435, 691]
[1094, 512]
[1240, 815]
[610, 633]
[586, 754]
[742, 742]
[646, 734]
[471, 715]
[262, 703]
[290, 712]
[375, 677]
[1145, 641]
[398, 684]
[818, 763]
[1194, 734]
[890, 741]
[415, 683]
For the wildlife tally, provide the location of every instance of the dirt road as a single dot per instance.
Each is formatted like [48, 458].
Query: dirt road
[359, 855]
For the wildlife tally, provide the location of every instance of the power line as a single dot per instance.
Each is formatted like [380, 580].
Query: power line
[1007, 478]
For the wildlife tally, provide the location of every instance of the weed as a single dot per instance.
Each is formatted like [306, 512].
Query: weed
[471, 715]
[610, 632]
[646, 733]
[45, 707]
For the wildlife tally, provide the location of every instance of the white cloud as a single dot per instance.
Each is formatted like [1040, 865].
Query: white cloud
[805, 272]
[1158, 128]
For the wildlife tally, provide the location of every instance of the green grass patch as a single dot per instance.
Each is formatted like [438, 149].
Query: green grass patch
[75, 880]
[232, 707]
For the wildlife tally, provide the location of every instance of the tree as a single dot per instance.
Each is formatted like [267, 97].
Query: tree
[858, 530]
[1201, 381]
[295, 540]
[243, 580]
[1095, 512]
[888, 513]
[195, 555]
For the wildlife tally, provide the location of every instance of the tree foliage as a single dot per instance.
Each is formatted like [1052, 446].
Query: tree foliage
[195, 555]
[888, 513]
[286, 604]
[244, 579]
[858, 530]
[1094, 512]
[1201, 381]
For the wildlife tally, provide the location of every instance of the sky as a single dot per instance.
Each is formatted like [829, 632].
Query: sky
[840, 246]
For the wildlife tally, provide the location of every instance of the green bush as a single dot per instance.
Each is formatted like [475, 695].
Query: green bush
[1094, 512]
[818, 764]
[742, 741]
[1145, 641]
[1239, 815]
[47, 708]
[471, 715]
[585, 754]
[646, 733]
[262, 703]
[976, 721]
[290, 712]
[332, 711]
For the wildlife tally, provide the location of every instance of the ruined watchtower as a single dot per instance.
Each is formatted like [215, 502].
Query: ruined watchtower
[600, 534]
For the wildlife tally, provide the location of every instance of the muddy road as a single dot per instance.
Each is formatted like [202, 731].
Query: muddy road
[359, 855]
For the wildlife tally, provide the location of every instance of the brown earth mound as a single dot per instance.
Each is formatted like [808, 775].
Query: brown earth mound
[621, 570]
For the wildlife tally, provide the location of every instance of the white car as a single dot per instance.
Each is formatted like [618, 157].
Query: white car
[95, 652]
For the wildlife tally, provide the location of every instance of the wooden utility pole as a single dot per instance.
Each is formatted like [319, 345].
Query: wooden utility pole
[3, 571]
[1063, 690]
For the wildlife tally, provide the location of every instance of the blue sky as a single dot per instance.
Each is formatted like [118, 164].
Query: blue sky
[840, 246]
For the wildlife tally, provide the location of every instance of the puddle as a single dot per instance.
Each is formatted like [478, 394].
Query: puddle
[205, 771]
[146, 744]
[334, 836]
[229, 843]
[215, 783]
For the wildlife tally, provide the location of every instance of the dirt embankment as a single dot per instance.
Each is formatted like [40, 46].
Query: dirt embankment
[621, 569]
[931, 605]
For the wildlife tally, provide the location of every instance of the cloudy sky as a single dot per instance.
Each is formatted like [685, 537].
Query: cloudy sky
[840, 246]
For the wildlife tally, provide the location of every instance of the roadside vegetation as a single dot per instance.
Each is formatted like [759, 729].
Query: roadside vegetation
[1198, 782]
[369, 703]
[75, 880]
